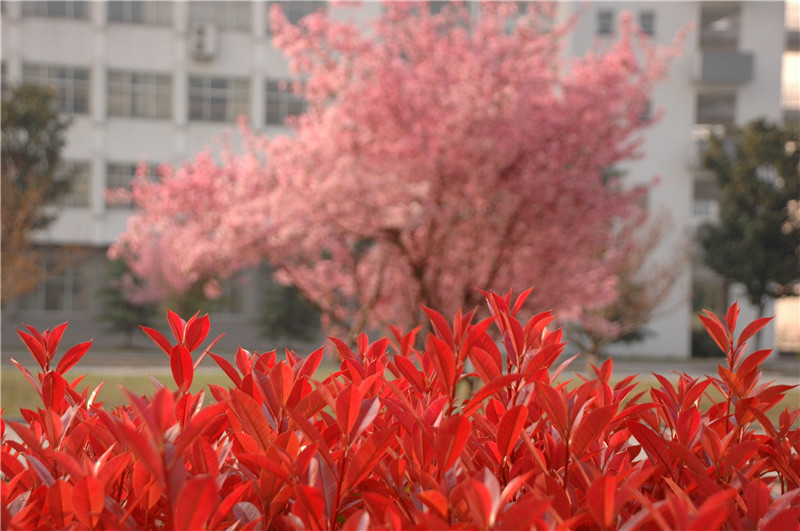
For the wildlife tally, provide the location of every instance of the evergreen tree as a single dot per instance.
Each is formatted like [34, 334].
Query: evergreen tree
[756, 241]
[33, 135]
[119, 313]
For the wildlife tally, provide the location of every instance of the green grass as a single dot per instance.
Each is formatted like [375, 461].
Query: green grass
[17, 393]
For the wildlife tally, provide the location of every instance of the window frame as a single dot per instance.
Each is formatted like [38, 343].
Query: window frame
[234, 97]
[137, 89]
[66, 86]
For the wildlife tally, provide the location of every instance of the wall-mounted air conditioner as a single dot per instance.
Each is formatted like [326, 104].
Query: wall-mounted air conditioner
[203, 41]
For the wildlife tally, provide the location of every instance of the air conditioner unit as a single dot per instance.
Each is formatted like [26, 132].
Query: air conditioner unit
[203, 41]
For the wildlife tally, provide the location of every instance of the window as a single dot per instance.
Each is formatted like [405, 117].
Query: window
[295, 10]
[605, 22]
[68, 286]
[716, 108]
[57, 9]
[133, 12]
[70, 83]
[217, 99]
[120, 174]
[719, 26]
[647, 21]
[3, 82]
[139, 94]
[282, 102]
[78, 175]
[232, 15]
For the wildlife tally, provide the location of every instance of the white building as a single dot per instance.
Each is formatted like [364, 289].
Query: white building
[158, 80]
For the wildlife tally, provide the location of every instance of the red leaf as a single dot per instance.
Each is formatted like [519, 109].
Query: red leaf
[489, 389]
[752, 329]
[652, 444]
[732, 316]
[600, 499]
[590, 428]
[410, 373]
[440, 325]
[452, 436]
[508, 430]
[158, 339]
[196, 331]
[249, 413]
[716, 330]
[713, 512]
[434, 500]
[520, 301]
[196, 502]
[88, 497]
[72, 356]
[369, 454]
[348, 405]
[554, 404]
[59, 503]
[443, 359]
[36, 348]
[53, 390]
[228, 369]
[180, 361]
[752, 362]
[487, 367]
[54, 338]
[177, 325]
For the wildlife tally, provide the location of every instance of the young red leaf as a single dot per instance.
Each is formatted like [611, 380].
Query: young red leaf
[59, 503]
[158, 338]
[752, 329]
[196, 502]
[600, 500]
[35, 347]
[731, 316]
[652, 444]
[511, 423]
[72, 356]
[54, 338]
[487, 367]
[489, 389]
[752, 362]
[451, 437]
[358, 521]
[177, 325]
[196, 331]
[434, 500]
[228, 369]
[444, 361]
[53, 390]
[440, 325]
[591, 427]
[180, 361]
[348, 405]
[249, 413]
[369, 454]
[716, 330]
[713, 512]
[88, 496]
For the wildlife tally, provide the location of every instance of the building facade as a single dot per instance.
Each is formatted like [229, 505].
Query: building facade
[157, 81]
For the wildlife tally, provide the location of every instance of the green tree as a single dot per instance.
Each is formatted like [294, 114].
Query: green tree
[119, 313]
[756, 241]
[33, 135]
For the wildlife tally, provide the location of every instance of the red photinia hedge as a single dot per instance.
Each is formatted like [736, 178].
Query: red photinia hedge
[394, 441]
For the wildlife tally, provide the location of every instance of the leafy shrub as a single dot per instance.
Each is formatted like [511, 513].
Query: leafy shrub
[387, 442]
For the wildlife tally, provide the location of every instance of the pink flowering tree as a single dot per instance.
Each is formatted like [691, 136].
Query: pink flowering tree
[440, 154]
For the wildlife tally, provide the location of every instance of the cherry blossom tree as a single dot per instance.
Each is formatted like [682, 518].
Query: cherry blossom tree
[440, 153]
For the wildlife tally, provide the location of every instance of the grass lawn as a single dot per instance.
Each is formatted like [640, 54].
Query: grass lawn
[16, 392]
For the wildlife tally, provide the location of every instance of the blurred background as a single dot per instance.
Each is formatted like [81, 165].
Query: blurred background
[158, 81]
